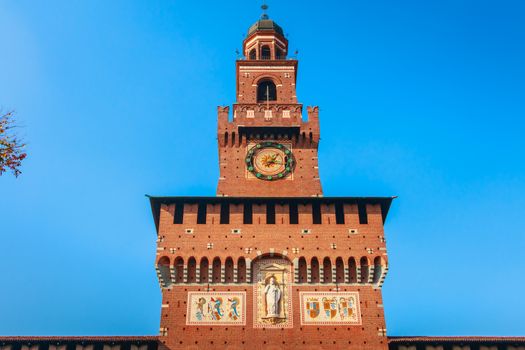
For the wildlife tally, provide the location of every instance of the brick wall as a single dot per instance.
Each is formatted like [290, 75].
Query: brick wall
[339, 247]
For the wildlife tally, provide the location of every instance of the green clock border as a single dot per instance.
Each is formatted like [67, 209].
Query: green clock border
[270, 144]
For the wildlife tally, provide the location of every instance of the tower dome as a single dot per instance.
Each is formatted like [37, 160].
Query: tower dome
[265, 24]
[265, 40]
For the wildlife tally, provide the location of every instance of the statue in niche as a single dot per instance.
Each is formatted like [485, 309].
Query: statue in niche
[272, 294]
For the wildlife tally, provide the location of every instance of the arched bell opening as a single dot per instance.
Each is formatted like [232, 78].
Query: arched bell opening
[279, 54]
[266, 53]
[266, 91]
[253, 54]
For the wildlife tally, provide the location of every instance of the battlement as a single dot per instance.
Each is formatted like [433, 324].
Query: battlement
[271, 211]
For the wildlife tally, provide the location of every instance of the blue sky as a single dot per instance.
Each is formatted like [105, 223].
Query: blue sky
[419, 99]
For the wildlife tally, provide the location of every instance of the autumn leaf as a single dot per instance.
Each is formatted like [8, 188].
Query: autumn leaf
[11, 146]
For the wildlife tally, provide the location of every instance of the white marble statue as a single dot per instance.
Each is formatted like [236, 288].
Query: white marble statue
[273, 296]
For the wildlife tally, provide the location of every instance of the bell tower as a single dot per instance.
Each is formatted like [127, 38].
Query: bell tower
[269, 262]
[267, 138]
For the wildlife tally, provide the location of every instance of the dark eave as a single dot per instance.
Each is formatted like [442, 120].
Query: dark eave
[157, 201]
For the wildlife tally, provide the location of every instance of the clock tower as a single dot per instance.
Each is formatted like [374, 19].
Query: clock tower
[269, 262]
[267, 150]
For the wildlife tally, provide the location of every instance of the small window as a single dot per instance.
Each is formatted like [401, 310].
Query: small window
[339, 214]
[270, 213]
[294, 214]
[225, 213]
[253, 54]
[265, 53]
[178, 216]
[266, 91]
[279, 54]
[316, 213]
[247, 214]
[201, 213]
[363, 217]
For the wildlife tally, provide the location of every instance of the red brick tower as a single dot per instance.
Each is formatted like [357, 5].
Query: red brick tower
[267, 110]
[269, 263]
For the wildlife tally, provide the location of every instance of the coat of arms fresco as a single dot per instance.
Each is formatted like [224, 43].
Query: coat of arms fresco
[328, 308]
[216, 308]
[272, 293]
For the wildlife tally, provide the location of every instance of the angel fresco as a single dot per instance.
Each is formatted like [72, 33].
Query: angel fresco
[233, 313]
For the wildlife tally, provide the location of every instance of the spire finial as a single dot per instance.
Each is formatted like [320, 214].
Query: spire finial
[264, 7]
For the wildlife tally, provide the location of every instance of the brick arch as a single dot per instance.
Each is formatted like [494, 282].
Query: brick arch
[273, 77]
[379, 269]
[204, 267]
[192, 270]
[228, 270]
[302, 270]
[163, 260]
[352, 270]
[339, 270]
[271, 255]
[163, 271]
[241, 270]
[178, 265]
[327, 270]
[216, 270]
[314, 270]
[364, 264]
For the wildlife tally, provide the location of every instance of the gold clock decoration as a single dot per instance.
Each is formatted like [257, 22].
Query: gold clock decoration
[270, 161]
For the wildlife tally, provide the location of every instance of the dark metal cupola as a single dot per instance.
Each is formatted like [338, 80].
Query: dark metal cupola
[265, 40]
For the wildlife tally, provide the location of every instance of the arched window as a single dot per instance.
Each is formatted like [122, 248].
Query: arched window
[302, 270]
[228, 270]
[192, 270]
[378, 269]
[204, 270]
[327, 270]
[179, 270]
[266, 91]
[265, 53]
[364, 270]
[241, 270]
[352, 271]
[315, 270]
[216, 271]
[339, 270]
[253, 54]
[279, 54]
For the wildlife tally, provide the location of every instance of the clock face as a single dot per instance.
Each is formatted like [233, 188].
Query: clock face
[270, 161]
